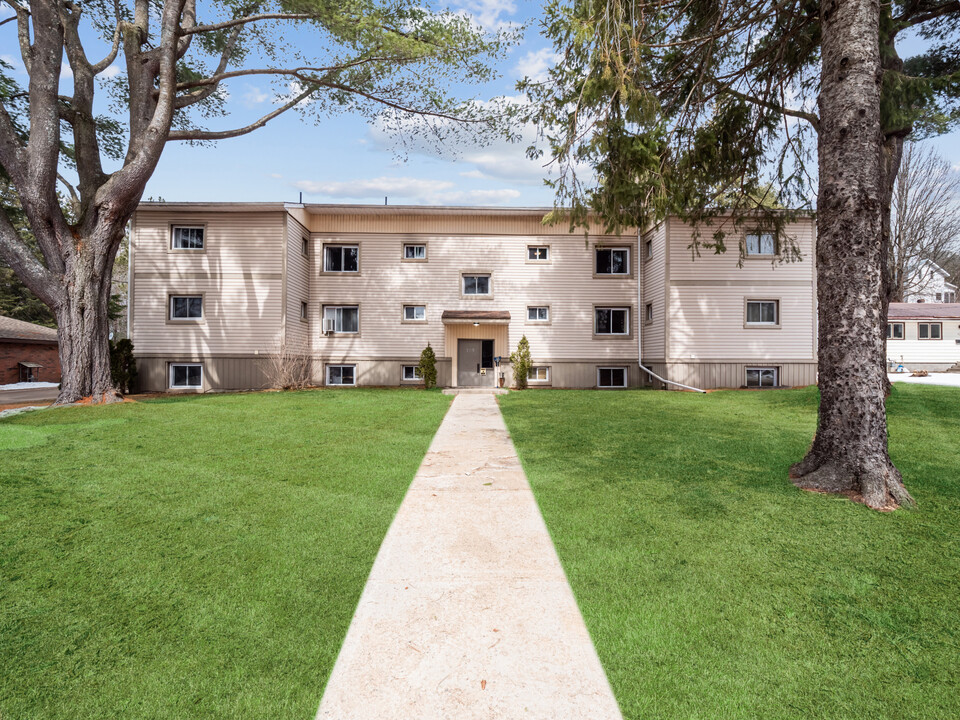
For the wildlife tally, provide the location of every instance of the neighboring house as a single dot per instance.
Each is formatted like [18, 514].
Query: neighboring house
[28, 352]
[924, 336]
[361, 290]
[929, 284]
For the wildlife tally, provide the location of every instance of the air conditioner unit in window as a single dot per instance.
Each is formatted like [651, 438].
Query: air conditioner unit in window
[327, 325]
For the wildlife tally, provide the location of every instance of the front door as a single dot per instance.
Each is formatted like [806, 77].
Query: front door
[474, 356]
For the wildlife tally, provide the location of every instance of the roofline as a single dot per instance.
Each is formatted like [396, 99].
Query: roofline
[28, 341]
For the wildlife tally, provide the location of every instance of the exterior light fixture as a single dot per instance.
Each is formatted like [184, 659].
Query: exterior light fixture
[476, 324]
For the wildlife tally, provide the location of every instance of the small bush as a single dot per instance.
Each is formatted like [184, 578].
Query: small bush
[520, 358]
[428, 367]
[123, 366]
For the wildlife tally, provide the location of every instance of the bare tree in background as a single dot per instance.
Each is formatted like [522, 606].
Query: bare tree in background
[926, 219]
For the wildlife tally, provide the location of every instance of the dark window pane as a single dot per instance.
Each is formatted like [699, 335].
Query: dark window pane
[618, 261]
[469, 285]
[196, 307]
[603, 261]
[346, 375]
[350, 320]
[617, 378]
[753, 312]
[332, 259]
[486, 353]
[924, 333]
[935, 332]
[483, 286]
[179, 375]
[193, 375]
[767, 378]
[603, 321]
[619, 322]
[768, 312]
[753, 378]
[351, 259]
[180, 307]
[604, 377]
[334, 375]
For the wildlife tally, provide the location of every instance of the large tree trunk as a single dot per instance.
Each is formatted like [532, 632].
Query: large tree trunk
[83, 329]
[849, 452]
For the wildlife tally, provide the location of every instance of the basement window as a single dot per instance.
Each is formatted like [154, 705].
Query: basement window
[341, 374]
[611, 377]
[762, 377]
[186, 375]
[411, 373]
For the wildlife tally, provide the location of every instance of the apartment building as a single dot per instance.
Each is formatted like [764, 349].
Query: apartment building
[217, 289]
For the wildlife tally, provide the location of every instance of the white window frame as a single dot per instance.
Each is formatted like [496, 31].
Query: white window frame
[762, 370]
[929, 325]
[415, 247]
[417, 377]
[203, 238]
[538, 308]
[534, 250]
[536, 369]
[338, 318]
[341, 247]
[761, 323]
[626, 321]
[173, 318]
[463, 284]
[170, 374]
[341, 366]
[414, 308]
[596, 269]
[760, 236]
[612, 367]
[891, 335]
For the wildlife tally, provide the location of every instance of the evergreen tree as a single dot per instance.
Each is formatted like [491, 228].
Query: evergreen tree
[428, 367]
[520, 359]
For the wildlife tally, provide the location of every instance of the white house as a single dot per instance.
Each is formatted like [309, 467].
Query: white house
[928, 283]
[924, 336]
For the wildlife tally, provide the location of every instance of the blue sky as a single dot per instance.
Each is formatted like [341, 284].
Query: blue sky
[344, 159]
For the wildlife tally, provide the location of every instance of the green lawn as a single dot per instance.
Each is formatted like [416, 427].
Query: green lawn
[194, 557]
[714, 589]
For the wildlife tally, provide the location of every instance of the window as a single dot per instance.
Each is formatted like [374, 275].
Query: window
[538, 253]
[414, 252]
[486, 354]
[186, 375]
[763, 312]
[949, 297]
[612, 321]
[305, 247]
[894, 331]
[186, 307]
[415, 313]
[411, 373]
[648, 249]
[538, 374]
[761, 377]
[939, 297]
[613, 261]
[341, 374]
[929, 331]
[538, 314]
[611, 377]
[476, 284]
[303, 310]
[341, 318]
[187, 238]
[341, 258]
[648, 312]
[761, 244]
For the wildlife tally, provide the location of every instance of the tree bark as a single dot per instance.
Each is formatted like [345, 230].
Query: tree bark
[849, 452]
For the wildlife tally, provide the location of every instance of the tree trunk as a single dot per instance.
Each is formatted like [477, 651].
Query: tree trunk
[849, 452]
[83, 330]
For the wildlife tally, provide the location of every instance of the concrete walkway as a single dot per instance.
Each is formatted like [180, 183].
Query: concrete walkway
[467, 612]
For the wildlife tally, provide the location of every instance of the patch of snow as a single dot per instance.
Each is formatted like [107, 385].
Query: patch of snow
[947, 379]
[29, 385]
[17, 411]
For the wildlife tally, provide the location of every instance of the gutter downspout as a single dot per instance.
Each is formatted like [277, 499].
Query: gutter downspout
[641, 318]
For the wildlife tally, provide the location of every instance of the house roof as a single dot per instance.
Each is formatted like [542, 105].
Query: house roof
[11, 329]
[924, 311]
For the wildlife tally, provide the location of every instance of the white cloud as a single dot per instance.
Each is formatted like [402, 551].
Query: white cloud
[255, 96]
[111, 71]
[276, 176]
[408, 190]
[295, 88]
[486, 13]
[535, 64]
[65, 72]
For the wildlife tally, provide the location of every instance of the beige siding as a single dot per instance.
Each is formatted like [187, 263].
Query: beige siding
[219, 373]
[385, 284]
[654, 275]
[298, 288]
[720, 375]
[916, 353]
[239, 274]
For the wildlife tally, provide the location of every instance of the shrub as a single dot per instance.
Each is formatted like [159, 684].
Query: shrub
[123, 366]
[520, 358]
[428, 367]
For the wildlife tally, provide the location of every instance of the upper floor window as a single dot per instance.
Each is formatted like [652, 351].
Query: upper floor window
[949, 297]
[761, 243]
[939, 297]
[538, 252]
[894, 331]
[305, 247]
[415, 313]
[613, 261]
[187, 238]
[414, 252]
[648, 249]
[186, 307]
[341, 318]
[539, 313]
[612, 321]
[341, 258]
[763, 312]
[303, 310]
[648, 312]
[476, 284]
[929, 331]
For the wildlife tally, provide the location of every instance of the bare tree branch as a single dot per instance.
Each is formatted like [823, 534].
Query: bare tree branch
[801, 114]
[244, 21]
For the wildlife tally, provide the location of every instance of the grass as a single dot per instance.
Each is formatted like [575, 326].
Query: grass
[714, 589]
[194, 557]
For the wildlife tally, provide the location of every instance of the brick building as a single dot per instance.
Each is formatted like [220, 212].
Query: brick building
[28, 352]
